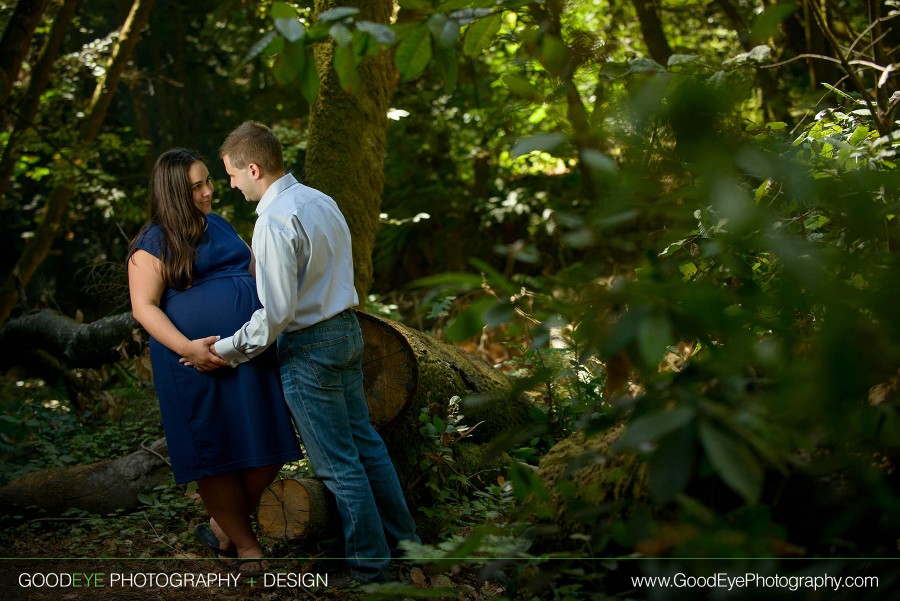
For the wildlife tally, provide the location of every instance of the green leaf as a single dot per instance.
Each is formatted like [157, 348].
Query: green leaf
[654, 334]
[859, 134]
[770, 20]
[520, 86]
[380, 32]
[542, 142]
[814, 222]
[291, 28]
[414, 4]
[688, 269]
[338, 13]
[481, 33]
[649, 428]
[146, 499]
[289, 63]
[469, 323]
[498, 314]
[599, 162]
[458, 280]
[681, 59]
[840, 93]
[341, 34]
[413, 53]
[444, 31]
[494, 277]
[268, 42]
[553, 54]
[345, 67]
[282, 10]
[671, 465]
[447, 63]
[733, 461]
[309, 77]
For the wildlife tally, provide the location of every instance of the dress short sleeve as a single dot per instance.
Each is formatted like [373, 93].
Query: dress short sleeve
[151, 240]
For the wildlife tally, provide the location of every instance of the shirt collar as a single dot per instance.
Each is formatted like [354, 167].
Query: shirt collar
[279, 186]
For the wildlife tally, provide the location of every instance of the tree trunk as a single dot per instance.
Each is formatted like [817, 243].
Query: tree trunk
[102, 487]
[347, 131]
[16, 40]
[29, 105]
[652, 31]
[53, 220]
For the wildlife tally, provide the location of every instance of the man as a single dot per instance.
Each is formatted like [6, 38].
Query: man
[304, 276]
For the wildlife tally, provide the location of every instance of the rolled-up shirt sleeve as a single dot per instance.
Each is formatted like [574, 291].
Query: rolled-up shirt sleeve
[277, 247]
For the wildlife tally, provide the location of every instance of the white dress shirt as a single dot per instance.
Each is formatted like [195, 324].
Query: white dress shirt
[304, 267]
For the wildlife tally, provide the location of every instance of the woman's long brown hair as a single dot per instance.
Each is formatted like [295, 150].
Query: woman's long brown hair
[172, 208]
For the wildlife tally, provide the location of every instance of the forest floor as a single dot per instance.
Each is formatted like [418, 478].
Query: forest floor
[150, 552]
[116, 558]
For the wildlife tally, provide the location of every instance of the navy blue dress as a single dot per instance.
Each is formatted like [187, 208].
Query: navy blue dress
[230, 418]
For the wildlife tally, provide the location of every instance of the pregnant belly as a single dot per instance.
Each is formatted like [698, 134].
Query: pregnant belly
[216, 307]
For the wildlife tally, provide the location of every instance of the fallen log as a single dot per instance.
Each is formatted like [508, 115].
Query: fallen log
[101, 487]
[400, 363]
[75, 344]
[405, 372]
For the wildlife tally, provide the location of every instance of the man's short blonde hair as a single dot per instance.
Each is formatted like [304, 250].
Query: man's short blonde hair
[253, 142]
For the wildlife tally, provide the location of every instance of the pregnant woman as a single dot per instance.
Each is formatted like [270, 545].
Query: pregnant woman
[190, 277]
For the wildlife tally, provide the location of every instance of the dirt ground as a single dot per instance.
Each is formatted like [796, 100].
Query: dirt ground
[49, 566]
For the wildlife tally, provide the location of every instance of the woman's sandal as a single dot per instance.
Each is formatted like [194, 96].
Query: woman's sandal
[244, 566]
[227, 559]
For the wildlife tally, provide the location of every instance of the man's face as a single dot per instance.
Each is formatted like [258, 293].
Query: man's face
[241, 179]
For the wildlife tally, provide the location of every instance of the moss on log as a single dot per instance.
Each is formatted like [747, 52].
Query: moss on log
[587, 484]
[102, 487]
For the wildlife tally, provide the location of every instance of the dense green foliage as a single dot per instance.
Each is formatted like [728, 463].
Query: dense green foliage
[701, 246]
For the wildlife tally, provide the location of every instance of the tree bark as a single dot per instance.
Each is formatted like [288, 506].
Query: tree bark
[101, 487]
[652, 31]
[75, 344]
[53, 220]
[345, 156]
[16, 40]
[29, 105]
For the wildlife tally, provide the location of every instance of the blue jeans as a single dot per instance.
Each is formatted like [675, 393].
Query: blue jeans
[321, 371]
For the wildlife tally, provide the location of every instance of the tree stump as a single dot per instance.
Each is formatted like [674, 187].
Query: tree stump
[296, 509]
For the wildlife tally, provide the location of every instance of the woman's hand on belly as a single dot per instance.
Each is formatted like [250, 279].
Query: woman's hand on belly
[200, 354]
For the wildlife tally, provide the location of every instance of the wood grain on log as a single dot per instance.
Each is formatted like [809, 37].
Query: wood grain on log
[295, 509]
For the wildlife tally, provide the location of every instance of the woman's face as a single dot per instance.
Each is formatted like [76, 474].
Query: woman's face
[201, 187]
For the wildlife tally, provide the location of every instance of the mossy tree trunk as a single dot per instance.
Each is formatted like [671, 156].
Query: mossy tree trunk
[345, 154]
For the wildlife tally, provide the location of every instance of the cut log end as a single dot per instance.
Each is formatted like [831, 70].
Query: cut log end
[390, 370]
[294, 509]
